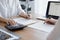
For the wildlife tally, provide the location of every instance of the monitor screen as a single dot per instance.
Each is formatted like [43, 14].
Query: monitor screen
[22, 0]
[53, 9]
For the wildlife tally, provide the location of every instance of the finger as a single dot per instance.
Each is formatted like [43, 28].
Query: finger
[28, 17]
[11, 22]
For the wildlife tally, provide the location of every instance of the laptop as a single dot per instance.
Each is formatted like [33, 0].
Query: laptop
[55, 34]
[53, 9]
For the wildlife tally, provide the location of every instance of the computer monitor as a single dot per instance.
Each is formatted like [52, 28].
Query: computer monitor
[53, 9]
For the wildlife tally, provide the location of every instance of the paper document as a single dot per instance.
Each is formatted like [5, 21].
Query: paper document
[24, 21]
[41, 26]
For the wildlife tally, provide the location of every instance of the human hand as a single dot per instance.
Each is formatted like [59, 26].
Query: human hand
[50, 21]
[11, 22]
[29, 16]
[26, 16]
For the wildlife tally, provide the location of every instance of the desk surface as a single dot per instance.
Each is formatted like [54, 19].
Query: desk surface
[31, 34]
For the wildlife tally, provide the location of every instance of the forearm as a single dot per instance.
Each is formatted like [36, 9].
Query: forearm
[3, 20]
[23, 15]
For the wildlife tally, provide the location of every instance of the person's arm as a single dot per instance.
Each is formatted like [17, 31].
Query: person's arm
[3, 20]
[22, 13]
[7, 21]
[3, 12]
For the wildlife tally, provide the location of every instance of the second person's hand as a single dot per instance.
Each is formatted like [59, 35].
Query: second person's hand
[50, 21]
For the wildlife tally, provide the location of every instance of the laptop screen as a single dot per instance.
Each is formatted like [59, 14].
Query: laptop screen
[53, 9]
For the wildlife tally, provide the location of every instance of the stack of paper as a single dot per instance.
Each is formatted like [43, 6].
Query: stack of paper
[24, 21]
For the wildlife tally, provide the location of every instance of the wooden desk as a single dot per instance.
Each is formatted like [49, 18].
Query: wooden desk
[30, 34]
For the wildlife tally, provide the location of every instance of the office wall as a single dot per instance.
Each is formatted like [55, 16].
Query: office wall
[40, 7]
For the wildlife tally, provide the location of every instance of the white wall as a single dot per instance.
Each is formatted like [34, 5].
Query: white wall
[40, 7]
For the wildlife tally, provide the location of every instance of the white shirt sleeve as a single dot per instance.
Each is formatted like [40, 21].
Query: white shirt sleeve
[1, 9]
[19, 8]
